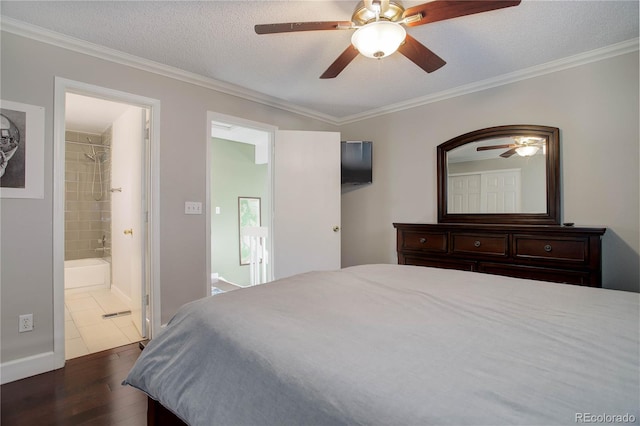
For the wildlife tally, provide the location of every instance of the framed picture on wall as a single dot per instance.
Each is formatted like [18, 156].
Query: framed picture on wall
[21, 150]
[248, 216]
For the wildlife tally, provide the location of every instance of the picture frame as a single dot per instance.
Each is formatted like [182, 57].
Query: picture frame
[21, 150]
[249, 215]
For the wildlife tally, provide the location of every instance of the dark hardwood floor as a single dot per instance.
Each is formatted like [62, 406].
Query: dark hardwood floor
[87, 391]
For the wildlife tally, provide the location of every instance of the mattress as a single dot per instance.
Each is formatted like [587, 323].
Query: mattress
[398, 345]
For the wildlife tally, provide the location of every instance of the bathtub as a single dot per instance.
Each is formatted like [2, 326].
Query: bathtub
[87, 273]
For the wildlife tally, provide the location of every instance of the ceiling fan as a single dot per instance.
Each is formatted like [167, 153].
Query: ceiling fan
[525, 146]
[379, 26]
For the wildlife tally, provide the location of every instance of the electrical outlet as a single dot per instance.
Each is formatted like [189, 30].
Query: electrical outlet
[192, 207]
[25, 323]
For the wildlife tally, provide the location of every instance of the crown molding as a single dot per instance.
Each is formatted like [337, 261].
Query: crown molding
[613, 50]
[81, 46]
[43, 35]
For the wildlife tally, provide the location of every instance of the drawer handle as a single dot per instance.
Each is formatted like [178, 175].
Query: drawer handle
[477, 243]
[547, 248]
[423, 240]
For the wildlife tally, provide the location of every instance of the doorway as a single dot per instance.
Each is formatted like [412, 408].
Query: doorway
[239, 156]
[104, 144]
[303, 181]
[105, 270]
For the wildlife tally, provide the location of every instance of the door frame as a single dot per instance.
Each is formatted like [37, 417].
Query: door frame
[61, 87]
[240, 122]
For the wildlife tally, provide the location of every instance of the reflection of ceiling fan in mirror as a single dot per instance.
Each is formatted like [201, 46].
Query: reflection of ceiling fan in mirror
[379, 26]
[525, 146]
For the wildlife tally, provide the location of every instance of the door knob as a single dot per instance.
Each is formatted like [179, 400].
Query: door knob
[336, 228]
[128, 232]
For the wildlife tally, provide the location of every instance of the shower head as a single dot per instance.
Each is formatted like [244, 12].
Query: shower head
[96, 156]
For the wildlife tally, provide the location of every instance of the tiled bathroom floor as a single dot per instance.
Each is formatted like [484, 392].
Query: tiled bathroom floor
[86, 331]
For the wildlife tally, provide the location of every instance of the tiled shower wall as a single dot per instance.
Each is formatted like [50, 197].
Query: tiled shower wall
[87, 214]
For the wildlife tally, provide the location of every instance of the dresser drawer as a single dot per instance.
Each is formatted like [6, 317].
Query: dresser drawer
[436, 262]
[432, 241]
[563, 254]
[540, 273]
[494, 244]
[560, 249]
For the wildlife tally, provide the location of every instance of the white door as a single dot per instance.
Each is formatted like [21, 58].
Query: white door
[306, 234]
[464, 194]
[501, 192]
[128, 229]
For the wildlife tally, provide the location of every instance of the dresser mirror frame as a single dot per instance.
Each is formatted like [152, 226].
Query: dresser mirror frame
[552, 157]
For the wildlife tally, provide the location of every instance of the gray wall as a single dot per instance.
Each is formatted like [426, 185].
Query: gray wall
[594, 105]
[234, 174]
[27, 75]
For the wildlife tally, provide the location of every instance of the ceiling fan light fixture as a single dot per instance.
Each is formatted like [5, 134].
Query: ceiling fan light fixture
[378, 39]
[527, 150]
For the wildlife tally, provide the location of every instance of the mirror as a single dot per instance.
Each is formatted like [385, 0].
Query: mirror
[505, 174]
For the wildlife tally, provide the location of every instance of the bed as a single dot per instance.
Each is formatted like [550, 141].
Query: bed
[398, 345]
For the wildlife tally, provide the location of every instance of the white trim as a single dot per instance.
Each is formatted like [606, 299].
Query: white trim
[11, 371]
[239, 122]
[23, 29]
[58, 220]
[123, 297]
[154, 219]
[62, 86]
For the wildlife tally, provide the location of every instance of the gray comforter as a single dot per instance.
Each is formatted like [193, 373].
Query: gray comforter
[399, 345]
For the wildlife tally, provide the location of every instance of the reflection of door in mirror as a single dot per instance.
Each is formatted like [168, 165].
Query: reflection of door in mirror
[485, 192]
[490, 182]
[464, 193]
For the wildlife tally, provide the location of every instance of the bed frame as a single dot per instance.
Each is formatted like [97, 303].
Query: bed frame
[157, 415]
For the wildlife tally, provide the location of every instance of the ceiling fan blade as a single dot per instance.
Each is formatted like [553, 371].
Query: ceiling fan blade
[439, 10]
[509, 153]
[420, 55]
[341, 63]
[302, 26]
[486, 148]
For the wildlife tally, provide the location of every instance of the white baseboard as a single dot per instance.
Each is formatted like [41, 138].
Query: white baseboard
[120, 295]
[11, 371]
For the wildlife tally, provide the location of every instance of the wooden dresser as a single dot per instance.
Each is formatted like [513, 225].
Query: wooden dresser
[549, 253]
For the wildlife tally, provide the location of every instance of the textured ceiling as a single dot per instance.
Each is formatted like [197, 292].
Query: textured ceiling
[215, 39]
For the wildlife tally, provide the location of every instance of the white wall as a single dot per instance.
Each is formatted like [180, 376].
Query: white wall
[126, 205]
[127, 156]
[594, 105]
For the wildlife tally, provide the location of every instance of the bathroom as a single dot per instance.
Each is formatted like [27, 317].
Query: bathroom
[104, 143]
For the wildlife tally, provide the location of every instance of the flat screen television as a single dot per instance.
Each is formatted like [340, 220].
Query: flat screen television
[356, 161]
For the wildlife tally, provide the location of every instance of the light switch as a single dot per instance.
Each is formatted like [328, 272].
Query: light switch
[192, 207]
[217, 210]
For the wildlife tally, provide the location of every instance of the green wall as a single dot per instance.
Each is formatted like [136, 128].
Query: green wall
[234, 174]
